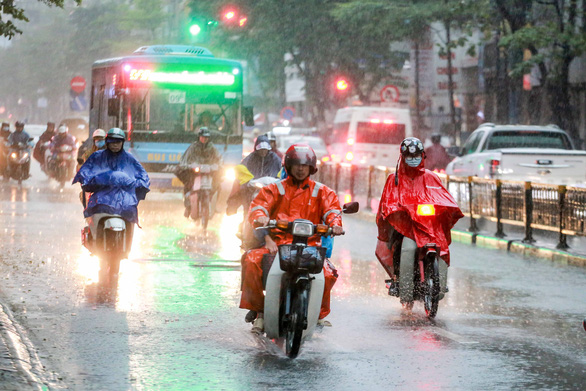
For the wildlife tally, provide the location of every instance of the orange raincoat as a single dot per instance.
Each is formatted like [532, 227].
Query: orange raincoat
[286, 200]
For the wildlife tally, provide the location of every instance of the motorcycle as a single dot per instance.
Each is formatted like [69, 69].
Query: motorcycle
[294, 282]
[200, 196]
[18, 162]
[109, 237]
[422, 273]
[61, 164]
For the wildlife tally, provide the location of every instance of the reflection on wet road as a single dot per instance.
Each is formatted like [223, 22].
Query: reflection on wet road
[171, 320]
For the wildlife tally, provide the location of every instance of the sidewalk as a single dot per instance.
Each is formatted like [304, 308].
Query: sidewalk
[544, 246]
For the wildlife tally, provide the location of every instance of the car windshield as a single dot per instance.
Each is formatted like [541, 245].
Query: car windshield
[528, 139]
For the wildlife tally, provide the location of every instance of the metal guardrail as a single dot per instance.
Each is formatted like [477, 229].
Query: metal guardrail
[556, 208]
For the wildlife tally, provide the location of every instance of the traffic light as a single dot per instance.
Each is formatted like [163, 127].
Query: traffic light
[341, 84]
[229, 15]
[199, 28]
[233, 17]
[194, 29]
[341, 88]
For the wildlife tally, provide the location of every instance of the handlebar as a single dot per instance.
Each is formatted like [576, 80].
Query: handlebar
[287, 226]
[204, 168]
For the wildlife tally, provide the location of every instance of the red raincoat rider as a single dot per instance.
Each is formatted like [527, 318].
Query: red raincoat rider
[297, 197]
[409, 187]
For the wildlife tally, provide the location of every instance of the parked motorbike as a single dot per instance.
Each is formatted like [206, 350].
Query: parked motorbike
[18, 162]
[422, 273]
[61, 164]
[294, 283]
[200, 196]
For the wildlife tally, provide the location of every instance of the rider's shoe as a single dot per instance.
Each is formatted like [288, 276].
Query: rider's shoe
[393, 287]
[258, 326]
[250, 316]
[324, 323]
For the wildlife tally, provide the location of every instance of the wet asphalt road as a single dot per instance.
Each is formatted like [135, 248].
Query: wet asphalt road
[173, 322]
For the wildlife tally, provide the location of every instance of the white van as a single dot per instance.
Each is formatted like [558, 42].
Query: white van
[369, 136]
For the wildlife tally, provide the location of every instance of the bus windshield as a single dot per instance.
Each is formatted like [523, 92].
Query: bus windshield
[175, 115]
[380, 133]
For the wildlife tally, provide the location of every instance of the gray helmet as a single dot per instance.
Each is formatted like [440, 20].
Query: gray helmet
[115, 134]
[204, 132]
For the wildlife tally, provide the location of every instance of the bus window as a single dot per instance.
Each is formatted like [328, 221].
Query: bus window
[380, 133]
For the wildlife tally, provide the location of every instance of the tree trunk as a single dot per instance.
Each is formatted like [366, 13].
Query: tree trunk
[558, 90]
[455, 127]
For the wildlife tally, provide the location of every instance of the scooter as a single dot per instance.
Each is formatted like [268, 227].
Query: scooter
[422, 273]
[18, 163]
[61, 164]
[200, 196]
[295, 282]
[109, 237]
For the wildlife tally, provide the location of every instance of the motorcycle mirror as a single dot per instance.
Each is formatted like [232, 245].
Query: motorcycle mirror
[351, 207]
[79, 161]
[30, 139]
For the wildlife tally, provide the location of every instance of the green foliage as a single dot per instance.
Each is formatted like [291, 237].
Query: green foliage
[9, 8]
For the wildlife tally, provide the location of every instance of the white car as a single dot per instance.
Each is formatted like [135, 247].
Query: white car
[318, 145]
[543, 154]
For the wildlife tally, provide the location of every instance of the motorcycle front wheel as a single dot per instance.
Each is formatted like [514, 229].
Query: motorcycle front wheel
[432, 288]
[295, 325]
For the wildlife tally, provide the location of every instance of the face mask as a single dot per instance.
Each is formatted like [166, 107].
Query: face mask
[100, 143]
[413, 161]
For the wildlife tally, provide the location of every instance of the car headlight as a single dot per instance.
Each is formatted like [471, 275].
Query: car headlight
[303, 229]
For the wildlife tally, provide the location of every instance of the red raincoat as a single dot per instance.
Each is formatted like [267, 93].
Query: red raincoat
[398, 207]
[287, 201]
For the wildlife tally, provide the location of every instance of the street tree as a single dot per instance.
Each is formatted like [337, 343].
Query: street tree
[554, 32]
[12, 11]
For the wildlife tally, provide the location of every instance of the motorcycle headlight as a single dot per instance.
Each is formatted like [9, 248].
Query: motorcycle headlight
[13, 155]
[303, 229]
[230, 174]
[25, 155]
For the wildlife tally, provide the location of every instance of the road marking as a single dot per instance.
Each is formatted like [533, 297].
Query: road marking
[453, 336]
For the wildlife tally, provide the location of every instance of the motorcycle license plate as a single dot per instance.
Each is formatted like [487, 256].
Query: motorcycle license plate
[206, 182]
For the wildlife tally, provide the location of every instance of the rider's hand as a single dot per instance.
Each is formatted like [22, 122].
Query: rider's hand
[337, 230]
[262, 221]
[270, 245]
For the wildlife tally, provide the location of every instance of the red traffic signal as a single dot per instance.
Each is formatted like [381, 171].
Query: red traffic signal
[233, 17]
[230, 15]
[342, 85]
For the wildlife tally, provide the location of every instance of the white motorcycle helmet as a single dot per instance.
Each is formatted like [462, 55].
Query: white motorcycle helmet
[99, 133]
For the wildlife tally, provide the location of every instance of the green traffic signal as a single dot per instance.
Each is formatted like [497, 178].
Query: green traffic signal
[194, 29]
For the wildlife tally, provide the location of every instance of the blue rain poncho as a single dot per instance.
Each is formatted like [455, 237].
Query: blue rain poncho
[117, 182]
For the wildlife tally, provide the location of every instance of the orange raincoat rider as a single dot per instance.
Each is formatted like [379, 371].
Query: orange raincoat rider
[297, 197]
